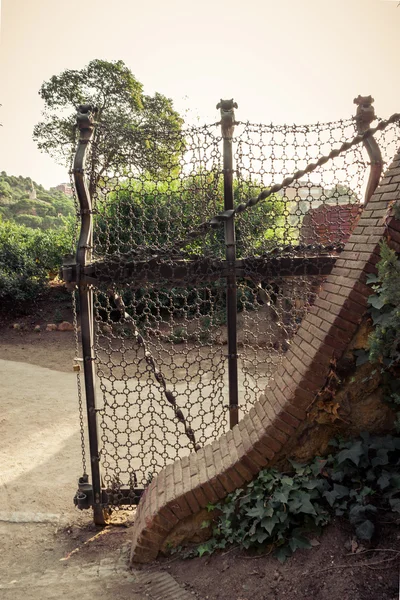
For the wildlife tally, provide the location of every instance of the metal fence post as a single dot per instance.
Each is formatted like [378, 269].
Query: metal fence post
[85, 122]
[364, 116]
[227, 128]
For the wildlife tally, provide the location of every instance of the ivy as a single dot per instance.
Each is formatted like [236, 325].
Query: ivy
[384, 342]
[279, 511]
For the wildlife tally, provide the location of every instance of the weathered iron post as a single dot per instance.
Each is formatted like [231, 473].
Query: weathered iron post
[227, 127]
[85, 122]
[364, 116]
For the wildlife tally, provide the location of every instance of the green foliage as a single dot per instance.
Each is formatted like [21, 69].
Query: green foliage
[45, 212]
[27, 257]
[280, 510]
[155, 214]
[133, 123]
[385, 309]
[384, 342]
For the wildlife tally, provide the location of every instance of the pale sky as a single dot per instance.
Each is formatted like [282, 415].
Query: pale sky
[285, 61]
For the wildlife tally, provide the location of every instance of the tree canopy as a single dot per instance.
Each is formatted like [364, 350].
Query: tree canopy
[131, 123]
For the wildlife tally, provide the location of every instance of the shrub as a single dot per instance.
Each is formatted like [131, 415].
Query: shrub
[27, 258]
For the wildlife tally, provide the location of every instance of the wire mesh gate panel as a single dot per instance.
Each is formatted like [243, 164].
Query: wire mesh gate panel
[181, 290]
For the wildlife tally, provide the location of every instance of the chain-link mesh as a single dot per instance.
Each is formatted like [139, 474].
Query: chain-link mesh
[160, 292]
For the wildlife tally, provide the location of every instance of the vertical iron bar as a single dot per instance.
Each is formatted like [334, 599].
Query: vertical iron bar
[85, 121]
[364, 116]
[227, 128]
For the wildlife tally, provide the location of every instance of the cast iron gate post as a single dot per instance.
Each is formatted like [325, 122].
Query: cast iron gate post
[227, 127]
[85, 121]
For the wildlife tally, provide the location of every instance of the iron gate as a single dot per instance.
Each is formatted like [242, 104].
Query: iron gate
[193, 275]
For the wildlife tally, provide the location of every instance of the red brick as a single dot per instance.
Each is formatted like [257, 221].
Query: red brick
[271, 443]
[243, 470]
[218, 487]
[235, 477]
[180, 507]
[303, 398]
[262, 449]
[284, 426]
[276, 433]
[252, 466]
[291, 420]
[168, 515]
[192, 502]
[258, 458]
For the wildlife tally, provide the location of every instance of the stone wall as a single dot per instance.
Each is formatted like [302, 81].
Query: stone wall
[287, 418]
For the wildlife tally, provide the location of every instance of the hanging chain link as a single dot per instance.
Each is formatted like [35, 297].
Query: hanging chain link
[79, 383]
[219, 219]
[169, 395]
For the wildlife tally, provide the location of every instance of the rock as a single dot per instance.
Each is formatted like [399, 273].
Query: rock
[65, 326]
[51, 327]
[16, 326]
[36, 328]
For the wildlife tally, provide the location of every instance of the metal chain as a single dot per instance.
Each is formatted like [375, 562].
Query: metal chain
[156, 372]
[219, 219]
[79, 384]
[313, 166]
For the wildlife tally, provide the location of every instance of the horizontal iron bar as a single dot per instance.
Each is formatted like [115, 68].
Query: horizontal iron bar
[197, 271]
[124, 496]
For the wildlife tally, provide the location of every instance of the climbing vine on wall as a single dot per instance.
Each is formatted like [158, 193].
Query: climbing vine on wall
[384, 342]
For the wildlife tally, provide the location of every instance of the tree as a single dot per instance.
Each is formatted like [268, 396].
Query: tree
[134, 128]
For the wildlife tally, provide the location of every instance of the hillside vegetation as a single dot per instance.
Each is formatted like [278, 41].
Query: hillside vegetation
[26, 202]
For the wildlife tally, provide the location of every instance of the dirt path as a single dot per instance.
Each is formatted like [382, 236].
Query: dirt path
[40, 461]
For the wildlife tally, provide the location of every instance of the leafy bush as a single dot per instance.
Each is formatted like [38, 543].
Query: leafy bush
[279, 509]
[384, 309]
[384, 342]
[27, 258]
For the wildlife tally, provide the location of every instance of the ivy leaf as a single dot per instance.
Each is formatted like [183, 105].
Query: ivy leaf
[306, 506]
[353, 453]
[269, 523]
[381, 458]
[376, 301]
[204, 548]
[318, 466]
[261, 536]
[282, 553]
[384, 480]
[282, 496]
[383, 319]
[298, 541]
[372, 278]
[365, 531]
[338, 491]
[257, 511]
[298, 467]
[287, 481]
[362, 357]
[359, 512]
[395, 504]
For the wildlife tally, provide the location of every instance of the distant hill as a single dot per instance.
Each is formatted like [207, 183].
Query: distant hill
[28, 203]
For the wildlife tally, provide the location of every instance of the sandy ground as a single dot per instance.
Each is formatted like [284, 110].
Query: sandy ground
[40, 462]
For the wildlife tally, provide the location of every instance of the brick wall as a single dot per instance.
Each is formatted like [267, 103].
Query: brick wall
[186, 486]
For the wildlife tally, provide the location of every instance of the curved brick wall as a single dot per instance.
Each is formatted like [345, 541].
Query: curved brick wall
[185, 487]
